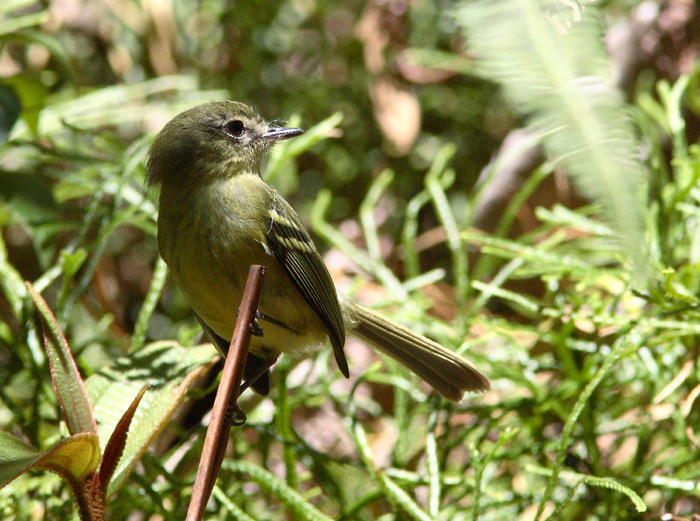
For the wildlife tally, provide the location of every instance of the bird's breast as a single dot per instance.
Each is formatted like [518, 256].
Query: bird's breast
[210, 240]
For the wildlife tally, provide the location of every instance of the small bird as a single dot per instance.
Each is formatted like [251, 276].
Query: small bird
[217, 217]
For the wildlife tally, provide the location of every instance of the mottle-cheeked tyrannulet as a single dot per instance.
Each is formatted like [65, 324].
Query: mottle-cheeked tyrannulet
[217, 217]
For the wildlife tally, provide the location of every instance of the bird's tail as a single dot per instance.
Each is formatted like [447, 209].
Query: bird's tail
[448, 373]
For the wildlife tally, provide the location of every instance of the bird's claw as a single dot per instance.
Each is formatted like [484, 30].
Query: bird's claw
[254, 326]
[234, 415]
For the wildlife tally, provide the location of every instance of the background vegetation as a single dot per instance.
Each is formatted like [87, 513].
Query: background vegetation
[488, 172]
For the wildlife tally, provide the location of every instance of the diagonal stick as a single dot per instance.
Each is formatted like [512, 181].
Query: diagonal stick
[229, 388]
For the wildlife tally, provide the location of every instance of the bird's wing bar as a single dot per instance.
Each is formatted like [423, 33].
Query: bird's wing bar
[299, 257]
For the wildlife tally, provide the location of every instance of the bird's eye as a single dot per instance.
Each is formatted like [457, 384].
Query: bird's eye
[235, 127]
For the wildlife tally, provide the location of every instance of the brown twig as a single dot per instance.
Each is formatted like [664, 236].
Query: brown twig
[219, 430]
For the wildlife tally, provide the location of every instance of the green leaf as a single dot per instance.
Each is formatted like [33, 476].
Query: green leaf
[594, 481]
[160, 274]
[300, 508]
[28, 198]
[15, 457]
[29, 89]
[169, 369]
[73, 458]
[123, 104]
[10, 108]
[77, 456]
[67, 381]
[17, 23]
[11, 281]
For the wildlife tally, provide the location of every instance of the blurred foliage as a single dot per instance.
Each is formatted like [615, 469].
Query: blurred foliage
[563, 81]
[593, 413]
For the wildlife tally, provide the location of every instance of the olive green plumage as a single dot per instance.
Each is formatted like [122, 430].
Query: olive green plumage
[217, 217]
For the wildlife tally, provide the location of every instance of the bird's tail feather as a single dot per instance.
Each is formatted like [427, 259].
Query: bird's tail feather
[448, 373]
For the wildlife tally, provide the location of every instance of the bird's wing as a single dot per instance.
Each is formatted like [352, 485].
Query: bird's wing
[298, 255]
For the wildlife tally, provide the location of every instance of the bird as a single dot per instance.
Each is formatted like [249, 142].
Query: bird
[217, 217]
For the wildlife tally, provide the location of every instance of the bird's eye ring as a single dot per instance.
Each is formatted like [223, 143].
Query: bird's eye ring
[235, 128]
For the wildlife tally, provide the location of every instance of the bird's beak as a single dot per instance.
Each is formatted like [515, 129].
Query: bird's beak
[280, 133]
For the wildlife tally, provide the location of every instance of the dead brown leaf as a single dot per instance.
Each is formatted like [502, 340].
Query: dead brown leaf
[397, 112]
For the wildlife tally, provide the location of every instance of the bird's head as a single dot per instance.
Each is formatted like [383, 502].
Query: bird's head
[212, 141]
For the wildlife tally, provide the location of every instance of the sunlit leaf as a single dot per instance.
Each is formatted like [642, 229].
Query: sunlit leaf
[74, 457]
[169, 369]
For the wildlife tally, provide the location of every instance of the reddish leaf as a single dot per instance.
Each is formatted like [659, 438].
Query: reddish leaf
[115, 446]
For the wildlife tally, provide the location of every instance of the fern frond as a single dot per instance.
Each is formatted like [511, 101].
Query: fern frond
[561, 80]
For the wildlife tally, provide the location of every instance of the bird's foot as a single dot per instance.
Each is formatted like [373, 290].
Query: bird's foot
[254, 326]
[234, 415]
